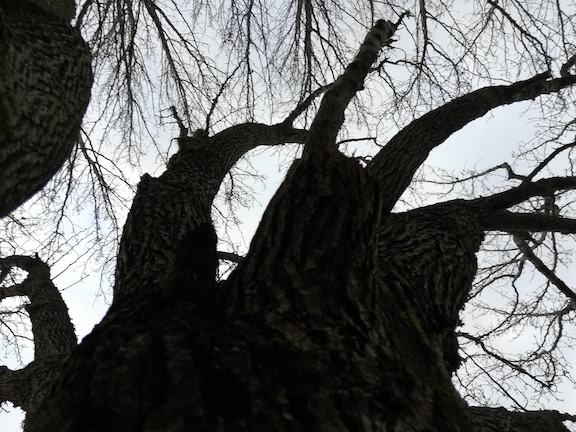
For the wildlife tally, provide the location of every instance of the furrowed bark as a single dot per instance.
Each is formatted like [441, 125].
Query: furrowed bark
[299, 281]
[427, 260]
[138, 369]
[45, 81]
[153, 245]
[339, 315]
[339, 318]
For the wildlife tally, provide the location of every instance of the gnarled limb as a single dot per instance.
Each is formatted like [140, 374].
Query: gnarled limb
[54, 336]
[152, 245]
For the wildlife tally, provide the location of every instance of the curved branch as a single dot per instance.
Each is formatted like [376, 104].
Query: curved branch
[397, 162]
[54, 336]
[44, 62]
[51, 325]
[154, 248]
[546, 161]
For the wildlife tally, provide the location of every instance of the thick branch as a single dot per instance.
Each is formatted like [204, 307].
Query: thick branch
[501, 420]
[43, 63]
[53, 332]
[330, 116]
[26, 387]
[155, 244]
[509, 221]
[397, 162]
[542, 187]
[51, 324]
[234, 142]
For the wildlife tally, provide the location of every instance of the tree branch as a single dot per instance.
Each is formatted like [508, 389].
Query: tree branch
[546, 161]
[303, 106]
[330, 116]
[508, 221]
[487, 419]
[565, 69]
[153, 253]
[397, 162]
[51, 324]
[229, 256]
[52, 328]
[521, 239]
[542, 187]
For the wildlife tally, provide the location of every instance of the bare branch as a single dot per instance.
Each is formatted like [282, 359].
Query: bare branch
[305, 104]
[542, 187]
[546, 161]
[565, 69]
[413, 143]
[330, 116]
[521, 239]
[229, 256]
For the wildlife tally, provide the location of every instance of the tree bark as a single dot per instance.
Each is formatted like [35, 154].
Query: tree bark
[54, 336]
[45, 82]
[304, 336]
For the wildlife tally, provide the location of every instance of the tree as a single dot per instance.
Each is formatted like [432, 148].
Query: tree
[343, 313]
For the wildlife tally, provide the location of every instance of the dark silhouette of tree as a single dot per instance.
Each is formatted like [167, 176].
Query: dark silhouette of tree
[343, 315]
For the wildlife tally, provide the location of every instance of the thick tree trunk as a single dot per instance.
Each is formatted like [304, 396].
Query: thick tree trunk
[339, 319]
[302, 337]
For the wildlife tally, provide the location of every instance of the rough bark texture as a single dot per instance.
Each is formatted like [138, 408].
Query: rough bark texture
[54, 336]
[340, 318]
[302, 337]
[500, 420]
[45, 81]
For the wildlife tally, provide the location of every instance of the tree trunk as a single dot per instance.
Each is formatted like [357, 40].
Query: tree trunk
[305, 335]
